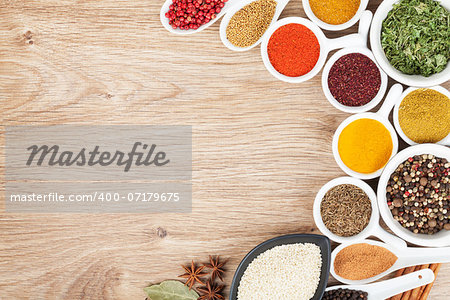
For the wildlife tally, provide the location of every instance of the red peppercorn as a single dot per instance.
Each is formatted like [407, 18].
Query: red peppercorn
[191, 14]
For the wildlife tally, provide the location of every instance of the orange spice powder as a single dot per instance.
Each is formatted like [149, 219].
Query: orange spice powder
[334, 12]
[362, 261]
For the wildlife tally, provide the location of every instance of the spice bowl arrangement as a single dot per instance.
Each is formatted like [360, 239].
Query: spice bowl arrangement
[413, 195]
[288, 37]
[366, 261]
[292, 266]
[383, 289]
[364, 143]
[409, 43]
[346, 210]
[414, 31]
[334, 16]
[423, 115]
[352, 81]
[244, 25]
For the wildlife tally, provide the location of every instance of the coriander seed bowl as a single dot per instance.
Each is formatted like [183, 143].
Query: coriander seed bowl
[375, 41]
[332, 27]
[281, 4]
[440, 239]
[353, 109]
[440, 89]
[373, 228]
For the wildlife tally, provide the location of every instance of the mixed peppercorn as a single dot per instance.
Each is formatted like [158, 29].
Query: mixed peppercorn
[418, 194]
[344, 294]
[191, 14]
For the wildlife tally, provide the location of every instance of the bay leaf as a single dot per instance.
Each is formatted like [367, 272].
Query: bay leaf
[170, 290]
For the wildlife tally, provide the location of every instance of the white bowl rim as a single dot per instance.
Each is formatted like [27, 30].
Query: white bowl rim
[374, 217]
[366, 115]
[411, 80]
[444, 141]
[322, 40]
[353, 109]
[440, 239]
[310, 14]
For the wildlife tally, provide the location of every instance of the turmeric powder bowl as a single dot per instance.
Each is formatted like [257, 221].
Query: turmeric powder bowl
[334, 15]
[364, 143]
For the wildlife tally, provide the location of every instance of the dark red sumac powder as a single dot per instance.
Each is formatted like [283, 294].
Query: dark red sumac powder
[354, 80]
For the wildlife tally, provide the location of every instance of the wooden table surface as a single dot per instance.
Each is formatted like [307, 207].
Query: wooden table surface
[261, 147]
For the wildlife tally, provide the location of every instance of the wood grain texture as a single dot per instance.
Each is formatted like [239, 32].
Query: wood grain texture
[261, 147]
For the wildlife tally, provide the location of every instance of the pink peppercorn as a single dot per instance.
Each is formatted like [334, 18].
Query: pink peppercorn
[191, 14]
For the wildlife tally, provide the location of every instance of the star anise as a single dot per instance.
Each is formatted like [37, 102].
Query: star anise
[211, 291]
[193, 274]
[216, 266]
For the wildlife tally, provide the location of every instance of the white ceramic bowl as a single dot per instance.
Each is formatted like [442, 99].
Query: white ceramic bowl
[444, 141]
[322, 24]
[353, 109]
[439, 239]
[326, 45]
[373, 228]
[406, 257]
[382, 117]
[168, 27]
[281, 4]
[411, 80]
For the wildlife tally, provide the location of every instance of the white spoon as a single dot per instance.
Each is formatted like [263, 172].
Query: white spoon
[165, 20]
[281, 4]
[391, 287]
[406, 257]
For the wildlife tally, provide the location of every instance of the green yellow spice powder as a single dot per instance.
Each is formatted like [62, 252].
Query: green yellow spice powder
[424, 116]
[334, 12]
[250, 23]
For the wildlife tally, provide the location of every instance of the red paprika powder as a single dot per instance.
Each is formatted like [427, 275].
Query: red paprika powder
[293, 50]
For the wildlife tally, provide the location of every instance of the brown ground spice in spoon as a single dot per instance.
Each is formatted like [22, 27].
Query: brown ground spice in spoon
[362, 261]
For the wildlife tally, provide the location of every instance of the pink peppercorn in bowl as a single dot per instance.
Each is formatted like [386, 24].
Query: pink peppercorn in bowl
[360, 87]
[165, 21]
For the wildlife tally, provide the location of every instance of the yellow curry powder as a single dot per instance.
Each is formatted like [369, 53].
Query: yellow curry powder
[365, 145]
[424, 116]
[334, 12]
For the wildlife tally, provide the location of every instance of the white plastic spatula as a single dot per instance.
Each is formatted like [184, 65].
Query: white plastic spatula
[391, 287]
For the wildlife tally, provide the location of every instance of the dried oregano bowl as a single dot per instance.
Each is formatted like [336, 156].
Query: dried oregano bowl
[375, 42]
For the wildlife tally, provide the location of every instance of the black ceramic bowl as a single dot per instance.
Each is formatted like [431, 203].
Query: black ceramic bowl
[320, 240]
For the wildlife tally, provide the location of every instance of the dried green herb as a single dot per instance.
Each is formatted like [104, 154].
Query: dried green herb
[415, 37]
[170, 290]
